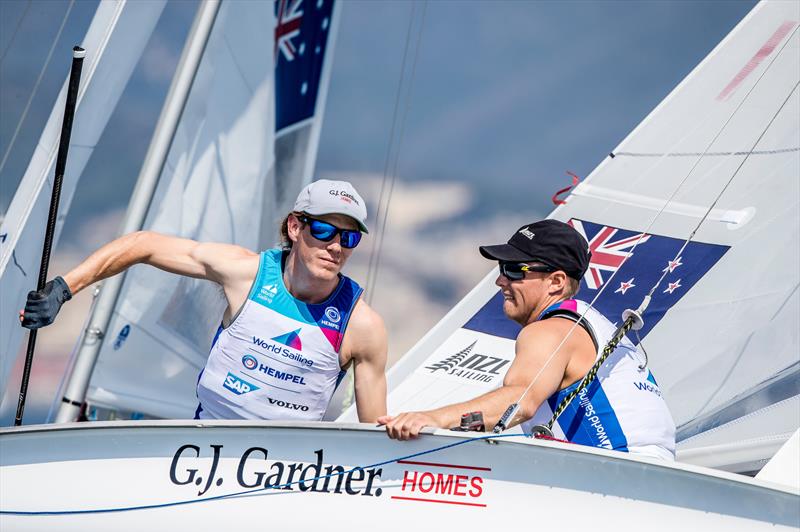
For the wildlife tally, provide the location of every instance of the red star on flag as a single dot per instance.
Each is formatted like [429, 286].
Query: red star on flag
[671, 265]
[623, 287]
[672, 287]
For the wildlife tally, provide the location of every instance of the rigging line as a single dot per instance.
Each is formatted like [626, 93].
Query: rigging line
[392, 130]
[271, 490]
[514, 408]
[709, 154]
[396, 166]
[716, 200]
[14, 35]
[36, 86]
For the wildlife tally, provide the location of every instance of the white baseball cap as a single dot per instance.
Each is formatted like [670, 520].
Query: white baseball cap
[332, 197]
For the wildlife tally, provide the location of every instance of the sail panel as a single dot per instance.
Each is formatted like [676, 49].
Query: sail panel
[114, 42]
[211, 188]
[226, 179]
[721, 152]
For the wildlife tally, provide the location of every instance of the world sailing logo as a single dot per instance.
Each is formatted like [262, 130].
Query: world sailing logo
[290, 339]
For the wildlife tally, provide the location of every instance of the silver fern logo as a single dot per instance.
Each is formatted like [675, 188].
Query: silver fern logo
[450, 362]
[470, 366]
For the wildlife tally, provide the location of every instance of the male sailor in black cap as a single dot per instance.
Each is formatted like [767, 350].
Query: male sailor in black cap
[622, 409]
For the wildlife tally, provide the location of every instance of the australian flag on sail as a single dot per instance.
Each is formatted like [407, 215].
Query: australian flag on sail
[301, 38]
[634, 272]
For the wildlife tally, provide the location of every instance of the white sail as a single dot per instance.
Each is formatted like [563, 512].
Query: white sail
[221, 182]
[114, 42]
[721, 332]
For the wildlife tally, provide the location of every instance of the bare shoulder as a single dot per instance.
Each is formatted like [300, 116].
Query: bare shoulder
[366, 332]
[365, 321]
[227, 262]
[541, 336]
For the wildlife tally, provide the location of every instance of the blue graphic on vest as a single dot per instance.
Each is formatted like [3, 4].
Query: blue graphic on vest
[238, 385]
[278, 350]
[594, 420]
[268, 292]
[290, 339]
[121, 337]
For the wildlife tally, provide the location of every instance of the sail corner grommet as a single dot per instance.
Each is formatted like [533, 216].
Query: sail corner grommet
[638, 321]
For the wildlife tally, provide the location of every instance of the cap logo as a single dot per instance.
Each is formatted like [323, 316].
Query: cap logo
[344, 195]
[527, 233]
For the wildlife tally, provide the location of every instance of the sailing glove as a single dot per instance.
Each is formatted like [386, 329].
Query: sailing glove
[43, 306]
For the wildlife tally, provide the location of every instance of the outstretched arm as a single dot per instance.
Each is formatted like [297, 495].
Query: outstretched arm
[214, 262]
[534, 346]
[224, 264]
[367, 344]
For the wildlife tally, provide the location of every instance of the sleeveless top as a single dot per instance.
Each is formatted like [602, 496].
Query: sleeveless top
[279, 358]
[622, 408]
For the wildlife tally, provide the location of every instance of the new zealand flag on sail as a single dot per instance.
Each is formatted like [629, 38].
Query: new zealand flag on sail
[301, 38]
[635, 272]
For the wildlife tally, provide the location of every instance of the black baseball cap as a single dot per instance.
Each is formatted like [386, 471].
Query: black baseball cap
[550, 242]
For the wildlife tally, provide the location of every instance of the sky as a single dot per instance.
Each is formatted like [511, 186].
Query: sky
[498, 100]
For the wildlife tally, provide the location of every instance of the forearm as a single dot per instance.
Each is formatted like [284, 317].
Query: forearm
[370, 398]
[492, 405]
[109, 260]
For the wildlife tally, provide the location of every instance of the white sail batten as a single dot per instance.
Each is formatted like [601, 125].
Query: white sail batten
[725, 142]
[114, 43]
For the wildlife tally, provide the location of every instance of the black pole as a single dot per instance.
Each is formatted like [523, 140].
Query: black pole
[78, 54]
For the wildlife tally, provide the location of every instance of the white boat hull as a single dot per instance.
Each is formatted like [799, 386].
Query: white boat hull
[203, 476]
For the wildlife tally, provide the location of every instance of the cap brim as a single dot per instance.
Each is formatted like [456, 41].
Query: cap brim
[504, 252]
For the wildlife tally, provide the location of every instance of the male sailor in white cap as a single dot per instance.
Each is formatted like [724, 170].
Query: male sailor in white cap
[293, 323]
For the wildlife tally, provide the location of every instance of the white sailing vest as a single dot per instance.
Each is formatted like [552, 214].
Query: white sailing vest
[279, 358]
[622, 408]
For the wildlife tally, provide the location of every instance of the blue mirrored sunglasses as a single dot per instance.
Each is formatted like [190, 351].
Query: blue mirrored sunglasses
[515, 271]
[325, 232]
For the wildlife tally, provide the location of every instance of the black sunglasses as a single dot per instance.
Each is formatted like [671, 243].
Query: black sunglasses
[326, 232]
[515, 271]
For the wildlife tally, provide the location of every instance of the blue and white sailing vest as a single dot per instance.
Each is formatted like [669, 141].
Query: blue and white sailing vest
[622, 408]
[279, 358]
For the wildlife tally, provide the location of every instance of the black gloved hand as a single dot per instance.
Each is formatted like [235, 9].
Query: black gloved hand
[42, 306]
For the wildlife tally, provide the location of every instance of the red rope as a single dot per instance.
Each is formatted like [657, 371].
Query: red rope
[550, 438]
[556, 199]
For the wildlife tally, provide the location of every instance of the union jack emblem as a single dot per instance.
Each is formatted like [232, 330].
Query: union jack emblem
[289, 19]
[639, 271]
[607, 254]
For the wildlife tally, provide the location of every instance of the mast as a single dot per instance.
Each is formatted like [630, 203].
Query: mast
[78, 380]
